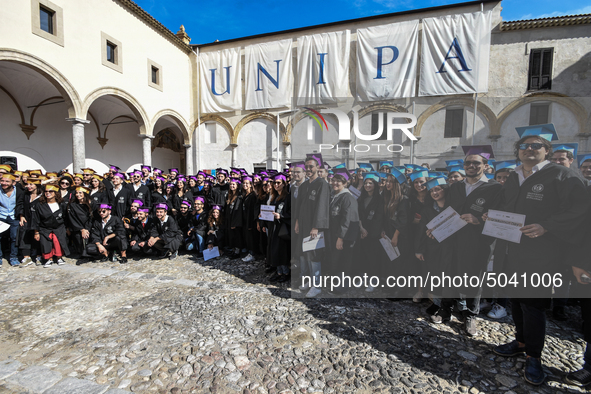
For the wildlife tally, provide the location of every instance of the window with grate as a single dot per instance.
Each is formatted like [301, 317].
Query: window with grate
[540, 69]
[454, 123]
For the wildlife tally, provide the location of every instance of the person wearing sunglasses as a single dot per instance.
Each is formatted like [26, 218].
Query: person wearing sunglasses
[108, 236]
[48, 223]
[65, 187]
[554, 201]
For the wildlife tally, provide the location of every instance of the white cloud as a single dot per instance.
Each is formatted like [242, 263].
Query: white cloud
[584, 10]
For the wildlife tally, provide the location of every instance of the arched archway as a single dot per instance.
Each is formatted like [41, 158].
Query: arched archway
[257, 115]
[482, 109]
[172, 134]
[35, 100]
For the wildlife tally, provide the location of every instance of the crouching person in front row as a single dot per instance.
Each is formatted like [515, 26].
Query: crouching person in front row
[165, 235]
[108, 236]
[142, 232]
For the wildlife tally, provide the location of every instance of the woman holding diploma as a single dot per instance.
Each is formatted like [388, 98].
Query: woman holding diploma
[279, 248]
[553, 200]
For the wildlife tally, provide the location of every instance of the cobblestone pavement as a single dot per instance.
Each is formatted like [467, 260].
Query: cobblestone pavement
[188, 326]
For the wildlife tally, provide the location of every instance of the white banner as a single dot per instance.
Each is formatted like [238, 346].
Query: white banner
[387, 61]
[220, 80]
[269, 75]
[323, 67]
[455, 54]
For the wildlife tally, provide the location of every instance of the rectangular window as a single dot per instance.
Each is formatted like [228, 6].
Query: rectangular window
[539, 114]
[210, 135]
[46, 19]
[454, 123]
[155, 75]
[111, 52]
[540, 69]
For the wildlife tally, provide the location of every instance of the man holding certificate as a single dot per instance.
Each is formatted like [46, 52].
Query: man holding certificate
[470, 250]
[553, 199]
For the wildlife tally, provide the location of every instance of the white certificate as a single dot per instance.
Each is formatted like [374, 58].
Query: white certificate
[313, 244]
[445, 224]
[356, 193]
[267, 213]
[211, 254]
[392, 252]
[504, 225]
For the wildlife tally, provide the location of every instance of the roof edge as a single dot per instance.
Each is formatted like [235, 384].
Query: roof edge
[554, 21]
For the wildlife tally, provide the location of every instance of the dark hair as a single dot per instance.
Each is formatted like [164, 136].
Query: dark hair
[341, 178]
[569, 154]
[413, 191]
[275, 197]
[392, 198]
[376, 189]
[429, 200]
[462, 175]
[543, 141]
[58, 197]
[85, 202]
[210, 218]
[484, 159]
[101, 186]
[506, 169]
[67, 178]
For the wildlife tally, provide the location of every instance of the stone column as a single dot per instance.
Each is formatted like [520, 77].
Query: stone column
[188, 159]
[146, 149]
[234, 154]
[78, 145]
[287, 148]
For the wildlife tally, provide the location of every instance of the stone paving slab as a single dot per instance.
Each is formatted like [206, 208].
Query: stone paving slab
[36, 378]
[77, 386]
[9, 368]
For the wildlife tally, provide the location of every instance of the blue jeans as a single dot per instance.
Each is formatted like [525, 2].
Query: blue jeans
[199, 243]
[14, 224]
[310, 268]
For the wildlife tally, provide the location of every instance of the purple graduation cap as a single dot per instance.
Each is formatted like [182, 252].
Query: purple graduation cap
[234, 171]
[157, 171]
[315, 156]
[235, 180]
[171, 170]
[247, 178]
[171, 185]
[199, 198]
[342, 171]
[138, 202]
[120, 175]
[327, 166]
[485, 151]
[299, 164]
[138, 172]
[161, 206]
[146, 168]
[203, 174]
[546, 131]
[114, 168]
[186, 202]
[144, 210]
[221, 171]
[280, 177]
[216, 207]
[105, 206]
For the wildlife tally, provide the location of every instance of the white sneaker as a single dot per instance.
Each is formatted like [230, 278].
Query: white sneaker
[26, 262]
[38, 261]
[248, 258]
[485, 305]
[47, 264]
[313, 292]
[497, 312]
[60, 261]
[369, 289]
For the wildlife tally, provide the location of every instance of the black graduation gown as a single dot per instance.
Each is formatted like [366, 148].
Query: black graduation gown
[249, 216]
[312, 210]
[46, 222]
[113, 226]
[185, 222]
[217, 237]
[200, 223]
[219, 193]
[79, 217]
[142, 193]
[25, 233]
[554, 197]
[372, 219]
[431, 249]
[470, 249]
[278, 249]
[344, 224]
[98, 198]
[142, 233]
[169, 232]
[120, 204]
[233, 218]
[400, 221]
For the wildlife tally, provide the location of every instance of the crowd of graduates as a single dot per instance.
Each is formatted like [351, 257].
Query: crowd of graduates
[148, 214]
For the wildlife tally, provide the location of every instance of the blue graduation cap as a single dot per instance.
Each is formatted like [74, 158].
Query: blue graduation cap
[584, 158]
[371, 175]
[342, 165]
[435, 174]
[490, 176]
[459, 169]
[386, 163]
[438, 181]
[365, 166]
[416, 167]
[546, 131]
[492, 162]
[571, 147]
[506, 164]
[419, 174]
[399, 175]
[449, 163]
[400, 168]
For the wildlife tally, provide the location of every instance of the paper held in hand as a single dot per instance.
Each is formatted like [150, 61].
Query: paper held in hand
[504, 225]
[445, 224]
[211, 254]
[313, 244]
[267, 213]
[392, 252]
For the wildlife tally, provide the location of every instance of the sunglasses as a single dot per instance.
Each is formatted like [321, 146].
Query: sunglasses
[49, 191]
[534, 146]
[64, 183]
[103, 210]
[278, 183]
[473, 163]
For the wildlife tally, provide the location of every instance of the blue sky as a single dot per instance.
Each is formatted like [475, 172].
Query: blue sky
[207, 21]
